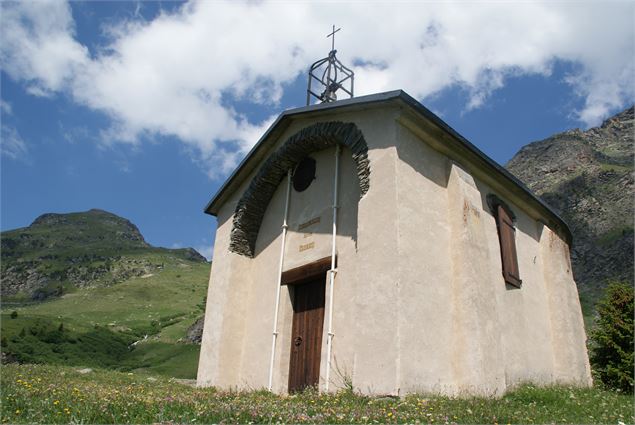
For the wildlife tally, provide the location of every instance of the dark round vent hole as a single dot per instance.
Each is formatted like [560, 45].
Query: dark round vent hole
[304, 174]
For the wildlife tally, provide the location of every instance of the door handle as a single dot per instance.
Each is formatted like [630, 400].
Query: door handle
[297, 341]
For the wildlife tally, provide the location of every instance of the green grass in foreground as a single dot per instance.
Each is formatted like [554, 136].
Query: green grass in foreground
[48, 394]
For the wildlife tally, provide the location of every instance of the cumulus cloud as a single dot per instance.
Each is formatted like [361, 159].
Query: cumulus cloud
[38, 45]
[180, 73]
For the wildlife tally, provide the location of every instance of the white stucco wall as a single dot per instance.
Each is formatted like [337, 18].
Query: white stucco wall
[420, 304]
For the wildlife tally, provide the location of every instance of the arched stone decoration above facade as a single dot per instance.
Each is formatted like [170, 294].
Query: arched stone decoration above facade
[251, 207]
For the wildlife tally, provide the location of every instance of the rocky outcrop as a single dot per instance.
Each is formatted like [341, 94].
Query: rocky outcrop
[195, 332]
[193, 255]
[587, 177]
[122, 229]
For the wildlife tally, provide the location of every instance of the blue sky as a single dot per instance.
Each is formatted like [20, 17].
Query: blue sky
[144, 108]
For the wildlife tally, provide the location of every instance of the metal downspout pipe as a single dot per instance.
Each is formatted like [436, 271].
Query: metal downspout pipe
[274, 335]
[333, 271]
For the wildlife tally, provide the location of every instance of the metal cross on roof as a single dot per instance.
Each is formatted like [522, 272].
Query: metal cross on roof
[334, 74]
[333, 35]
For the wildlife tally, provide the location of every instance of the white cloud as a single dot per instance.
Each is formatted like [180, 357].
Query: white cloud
[38, 45]
[6, 107]
[11, 143]
[178, 74]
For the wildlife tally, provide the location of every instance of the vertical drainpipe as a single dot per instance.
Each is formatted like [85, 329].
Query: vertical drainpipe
[333, 271]
[274, 335]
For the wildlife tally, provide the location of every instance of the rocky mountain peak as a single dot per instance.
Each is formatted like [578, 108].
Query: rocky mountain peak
[94, 222]
[92, 248]
[587, 177]
[622, 120]
[49, 219]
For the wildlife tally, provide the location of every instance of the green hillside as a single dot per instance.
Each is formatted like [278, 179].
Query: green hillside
[60, 252]
[131, 314]
[100, 324]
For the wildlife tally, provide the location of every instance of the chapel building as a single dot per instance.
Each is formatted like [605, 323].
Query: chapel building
[366, 242]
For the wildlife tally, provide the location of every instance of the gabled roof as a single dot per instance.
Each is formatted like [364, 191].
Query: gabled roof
[260, 149]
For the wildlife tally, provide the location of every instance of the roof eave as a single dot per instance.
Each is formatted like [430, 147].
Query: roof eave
[285, 118]
[488, 162]
[281, 122]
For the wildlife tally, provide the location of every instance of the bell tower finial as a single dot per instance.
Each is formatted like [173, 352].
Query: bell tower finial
[334, 75]
[333, 35]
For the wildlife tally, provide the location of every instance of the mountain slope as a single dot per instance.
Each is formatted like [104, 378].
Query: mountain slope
[74, 260]
[139, 324]
[60, 252]
[587, 177]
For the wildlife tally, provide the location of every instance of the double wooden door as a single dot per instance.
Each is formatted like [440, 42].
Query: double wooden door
[306, 335]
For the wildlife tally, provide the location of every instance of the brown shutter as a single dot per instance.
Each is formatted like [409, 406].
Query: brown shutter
[507, 238]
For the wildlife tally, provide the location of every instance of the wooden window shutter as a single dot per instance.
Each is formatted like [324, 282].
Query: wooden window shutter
[507, 239]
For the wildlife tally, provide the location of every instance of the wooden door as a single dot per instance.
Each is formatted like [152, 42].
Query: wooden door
[306, 335]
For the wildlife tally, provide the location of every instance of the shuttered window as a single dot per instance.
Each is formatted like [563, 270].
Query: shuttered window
[507, 240]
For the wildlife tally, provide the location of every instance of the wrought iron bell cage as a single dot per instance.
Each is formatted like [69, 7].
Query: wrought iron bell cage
[334, 76]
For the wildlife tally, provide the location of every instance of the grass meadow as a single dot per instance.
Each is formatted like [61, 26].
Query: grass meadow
[59, 394]
[95, 327]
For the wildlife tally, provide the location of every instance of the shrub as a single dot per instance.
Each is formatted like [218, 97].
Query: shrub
[611, 342]
[51, 337]
[14, 314]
